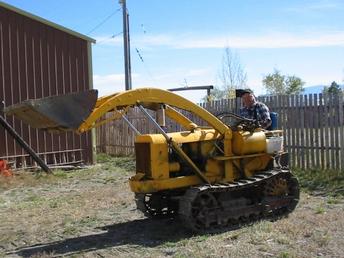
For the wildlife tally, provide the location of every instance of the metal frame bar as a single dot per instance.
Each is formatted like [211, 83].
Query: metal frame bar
[175, 147]
[131, 125]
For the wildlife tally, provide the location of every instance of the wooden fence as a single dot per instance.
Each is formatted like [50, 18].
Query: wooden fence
[313, 128]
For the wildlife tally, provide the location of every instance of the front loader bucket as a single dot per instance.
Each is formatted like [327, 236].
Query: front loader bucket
[56, 113]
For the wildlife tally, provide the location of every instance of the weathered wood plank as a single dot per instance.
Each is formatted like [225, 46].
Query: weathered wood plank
[306, 154]
[316, 127]
[292, 116]
[311, 144]
[326, 131]
[302, 131]
[341, 130]
[335, 131]
[284, 122]
[321, 130]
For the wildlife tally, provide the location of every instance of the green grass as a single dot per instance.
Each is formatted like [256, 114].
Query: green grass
[285, 254]
[320, 209]
[329, 182]
[108, 162]
[104, 158]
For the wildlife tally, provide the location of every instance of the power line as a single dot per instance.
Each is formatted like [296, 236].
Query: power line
[102, 22]
[145, 65]
[111, 37]
[138, 53]
[117, 34]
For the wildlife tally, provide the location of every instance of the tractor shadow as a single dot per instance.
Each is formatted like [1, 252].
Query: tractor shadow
[144, 232]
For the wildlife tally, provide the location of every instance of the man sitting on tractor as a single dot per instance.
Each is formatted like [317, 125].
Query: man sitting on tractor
[253, 109]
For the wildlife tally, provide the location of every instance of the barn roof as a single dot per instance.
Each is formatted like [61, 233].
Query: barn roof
[44, 21]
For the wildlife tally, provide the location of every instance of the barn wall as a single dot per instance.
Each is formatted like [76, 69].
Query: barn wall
[38, 60]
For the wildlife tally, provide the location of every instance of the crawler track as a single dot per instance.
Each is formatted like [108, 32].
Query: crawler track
[212, 207]
[208, 208]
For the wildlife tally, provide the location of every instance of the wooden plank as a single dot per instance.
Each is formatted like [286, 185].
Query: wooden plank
[307, 145]
[302, 131]
[281, 115]
[274, 106]
[332, 131]
[103, 138]
[296, 125]
[288, 124]
[315, 133]
[110, 130]
[107, 132]
[297, 130]
[321, 131]
[332, 117]
[309, 115]
[312, 141]
[341, 129]
[292, 116]
[284, 122]
[338, 131]
[326, 132]
[335, 130]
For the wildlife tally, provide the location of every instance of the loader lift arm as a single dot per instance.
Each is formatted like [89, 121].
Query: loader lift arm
[82, 111]
[151, 98]
[48, 114]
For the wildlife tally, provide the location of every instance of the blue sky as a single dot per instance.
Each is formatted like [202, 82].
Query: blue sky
[182, 41]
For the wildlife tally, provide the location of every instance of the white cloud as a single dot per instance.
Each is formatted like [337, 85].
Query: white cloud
[271, 40]
[112, 83]
[109, 78]
[198, 72]
[280, 40]
[312, 6]
[108, 84]
[108, 40]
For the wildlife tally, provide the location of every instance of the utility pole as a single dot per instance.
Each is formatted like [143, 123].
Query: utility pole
[126, 41]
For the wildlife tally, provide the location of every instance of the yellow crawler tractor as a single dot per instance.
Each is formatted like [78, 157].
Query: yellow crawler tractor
[212, 176]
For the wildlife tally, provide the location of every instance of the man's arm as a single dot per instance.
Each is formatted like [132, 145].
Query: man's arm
[264, 115]
[242, 112]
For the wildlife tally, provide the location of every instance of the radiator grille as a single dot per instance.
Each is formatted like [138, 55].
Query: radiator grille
[142, 151]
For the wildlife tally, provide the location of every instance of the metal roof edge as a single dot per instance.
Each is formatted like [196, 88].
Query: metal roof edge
[46, 22]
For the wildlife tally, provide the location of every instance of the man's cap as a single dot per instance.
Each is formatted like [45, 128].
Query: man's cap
[240, 92]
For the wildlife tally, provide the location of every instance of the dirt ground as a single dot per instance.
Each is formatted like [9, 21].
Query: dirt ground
[91, 213]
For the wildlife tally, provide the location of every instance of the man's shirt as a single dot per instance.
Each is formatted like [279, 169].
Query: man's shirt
[259, 111]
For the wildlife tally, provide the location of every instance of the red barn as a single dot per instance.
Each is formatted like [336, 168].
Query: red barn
[39, 59]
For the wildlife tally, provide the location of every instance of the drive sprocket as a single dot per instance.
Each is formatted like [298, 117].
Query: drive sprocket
[156, 204]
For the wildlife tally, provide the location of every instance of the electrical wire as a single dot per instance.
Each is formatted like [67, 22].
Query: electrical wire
[111, 37]
[102, 22]
[145, 66]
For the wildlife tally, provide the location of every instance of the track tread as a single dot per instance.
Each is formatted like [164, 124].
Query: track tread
[261, 210]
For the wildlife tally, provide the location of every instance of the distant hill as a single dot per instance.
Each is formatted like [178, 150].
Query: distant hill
[313, 89]
[316, 89]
